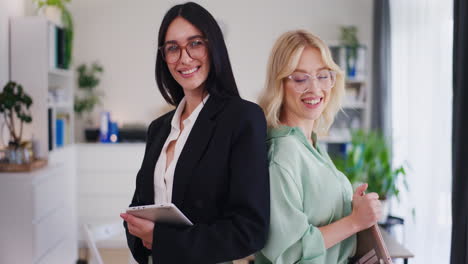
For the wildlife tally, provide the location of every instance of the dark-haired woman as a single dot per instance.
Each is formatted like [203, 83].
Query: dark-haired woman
[208, 156]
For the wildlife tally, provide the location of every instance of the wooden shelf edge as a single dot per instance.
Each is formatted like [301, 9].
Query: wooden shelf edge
[32, 166]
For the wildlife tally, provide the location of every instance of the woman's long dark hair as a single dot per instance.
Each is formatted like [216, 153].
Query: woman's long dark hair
[220, 81]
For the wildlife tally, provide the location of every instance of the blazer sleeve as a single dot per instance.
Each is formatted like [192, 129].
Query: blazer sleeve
[292, 239]
[139, 252]
[243, 228]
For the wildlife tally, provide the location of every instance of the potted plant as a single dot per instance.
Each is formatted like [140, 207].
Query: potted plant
[15, 104]
[368, 159]
[57, 8]
[88, 97]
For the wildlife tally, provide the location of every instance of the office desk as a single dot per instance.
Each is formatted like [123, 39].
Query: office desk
[395, 249]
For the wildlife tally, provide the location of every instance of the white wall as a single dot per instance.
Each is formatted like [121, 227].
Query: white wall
[122, 35]
[8, 8]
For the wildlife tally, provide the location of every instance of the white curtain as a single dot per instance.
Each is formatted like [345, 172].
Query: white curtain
[422, 39]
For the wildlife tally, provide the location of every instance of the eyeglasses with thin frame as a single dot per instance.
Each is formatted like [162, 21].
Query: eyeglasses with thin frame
[324, 79]
[196, 49]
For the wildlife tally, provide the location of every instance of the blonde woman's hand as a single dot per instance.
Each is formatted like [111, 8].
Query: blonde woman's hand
[367, 208]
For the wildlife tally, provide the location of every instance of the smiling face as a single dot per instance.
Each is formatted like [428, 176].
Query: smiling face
[301, 109]
[190, 73]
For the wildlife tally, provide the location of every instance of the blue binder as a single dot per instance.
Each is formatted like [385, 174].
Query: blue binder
[59, 132]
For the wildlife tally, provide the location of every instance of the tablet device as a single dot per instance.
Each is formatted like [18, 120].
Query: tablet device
[160, 213]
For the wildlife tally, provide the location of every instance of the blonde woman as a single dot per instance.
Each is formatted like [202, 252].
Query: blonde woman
[314, 213]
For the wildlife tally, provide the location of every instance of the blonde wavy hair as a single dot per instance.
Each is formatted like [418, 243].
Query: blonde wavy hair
[283, 60]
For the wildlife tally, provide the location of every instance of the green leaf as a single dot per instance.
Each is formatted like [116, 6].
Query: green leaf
[88, 80]
[369, 160]
[14, 102]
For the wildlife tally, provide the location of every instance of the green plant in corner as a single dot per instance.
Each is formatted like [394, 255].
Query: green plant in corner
[369, 159]
[15, 103]
[67, 22]
[88, 80]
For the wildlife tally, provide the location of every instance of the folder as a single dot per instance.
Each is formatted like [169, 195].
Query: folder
[371, 248]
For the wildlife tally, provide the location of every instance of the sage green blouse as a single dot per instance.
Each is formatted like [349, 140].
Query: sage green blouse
[307, 191]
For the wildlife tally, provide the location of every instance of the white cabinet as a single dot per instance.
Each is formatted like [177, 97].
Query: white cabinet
[356, 105]
[39, 220]
[38, 223]
[106, 182]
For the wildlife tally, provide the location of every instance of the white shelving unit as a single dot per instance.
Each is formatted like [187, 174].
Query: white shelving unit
[50, 88]
[356, 104]
[355, 107]
[41, 225]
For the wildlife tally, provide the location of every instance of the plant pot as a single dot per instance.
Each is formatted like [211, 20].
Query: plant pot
[91, 134]
[52, 13]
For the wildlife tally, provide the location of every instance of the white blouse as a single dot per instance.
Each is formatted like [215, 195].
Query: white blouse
[164, 179]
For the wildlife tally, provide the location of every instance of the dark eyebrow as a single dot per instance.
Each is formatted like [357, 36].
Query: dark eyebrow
[304, 71]
[189, 38]
[195, 37]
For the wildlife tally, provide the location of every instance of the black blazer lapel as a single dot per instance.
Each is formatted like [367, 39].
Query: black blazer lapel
[153, 155]
[195, 147]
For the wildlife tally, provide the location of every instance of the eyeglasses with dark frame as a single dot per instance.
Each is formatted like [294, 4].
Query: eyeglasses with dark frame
[325, 79]
[196, 48]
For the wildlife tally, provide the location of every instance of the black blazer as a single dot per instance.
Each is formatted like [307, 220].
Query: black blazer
[221, 184]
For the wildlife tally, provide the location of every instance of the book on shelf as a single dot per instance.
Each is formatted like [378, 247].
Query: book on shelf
[352, 62]
[60, 129]
[360, 66]
[339, 56]
[50, 128]
[61, 43]
[63, 130]
[57, 47]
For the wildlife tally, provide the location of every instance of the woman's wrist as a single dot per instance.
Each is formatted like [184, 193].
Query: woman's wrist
[353, 223]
